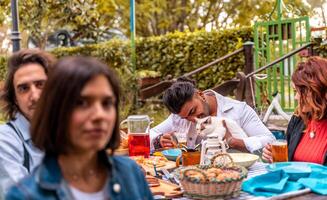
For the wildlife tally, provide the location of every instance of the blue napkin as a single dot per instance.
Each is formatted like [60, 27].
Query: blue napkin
[317, 181]
[270, 184]
[288, 178]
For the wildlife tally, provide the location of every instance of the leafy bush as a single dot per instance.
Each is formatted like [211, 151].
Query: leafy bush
[179, 53]
[3, 67]
[175, 53]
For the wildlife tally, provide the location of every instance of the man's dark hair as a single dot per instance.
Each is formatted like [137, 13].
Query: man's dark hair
[61, 93]
[178, 94]
[16, 61]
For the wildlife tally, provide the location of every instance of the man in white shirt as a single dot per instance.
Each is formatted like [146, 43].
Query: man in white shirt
[186, 103]
[27, 72]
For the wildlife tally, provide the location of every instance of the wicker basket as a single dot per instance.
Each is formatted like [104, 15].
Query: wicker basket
[203, 187]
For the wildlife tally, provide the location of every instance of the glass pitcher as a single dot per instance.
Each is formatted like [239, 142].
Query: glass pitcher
[138, 135]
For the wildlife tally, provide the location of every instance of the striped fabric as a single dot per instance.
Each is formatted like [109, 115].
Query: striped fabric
[257, 169]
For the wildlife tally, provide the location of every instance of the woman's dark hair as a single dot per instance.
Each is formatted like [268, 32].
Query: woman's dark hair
[16, 61]
[49, 128]
[178, 94]
[310, 81]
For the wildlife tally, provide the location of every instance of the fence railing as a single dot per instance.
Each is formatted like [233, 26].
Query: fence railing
[163, 85]
[242, 86]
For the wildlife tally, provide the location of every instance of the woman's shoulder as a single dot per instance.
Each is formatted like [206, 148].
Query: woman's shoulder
[295, 120]
[295, 127]
[24, 189]
[123, 161]
[125, 164]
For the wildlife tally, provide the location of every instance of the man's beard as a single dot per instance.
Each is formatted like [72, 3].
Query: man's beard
[206, 109]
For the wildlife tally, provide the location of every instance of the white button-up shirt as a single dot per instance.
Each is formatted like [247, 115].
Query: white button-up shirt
[12, 153]
[240, 112]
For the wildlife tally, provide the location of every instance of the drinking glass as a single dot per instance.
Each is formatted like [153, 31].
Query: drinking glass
[181, 131]
[189, 158]
[279, 151]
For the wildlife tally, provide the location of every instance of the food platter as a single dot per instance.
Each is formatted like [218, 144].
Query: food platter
[165, 188]
[148, 163]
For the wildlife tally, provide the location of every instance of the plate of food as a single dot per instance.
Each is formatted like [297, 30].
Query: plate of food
[244, 159]
[172, 154]
[157, 161]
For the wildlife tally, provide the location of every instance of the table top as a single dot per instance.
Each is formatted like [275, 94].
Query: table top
[260, 168]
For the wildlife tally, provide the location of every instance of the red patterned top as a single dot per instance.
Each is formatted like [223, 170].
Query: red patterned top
[313, 145]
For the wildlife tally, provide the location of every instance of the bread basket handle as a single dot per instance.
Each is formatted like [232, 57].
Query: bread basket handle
[223, 157]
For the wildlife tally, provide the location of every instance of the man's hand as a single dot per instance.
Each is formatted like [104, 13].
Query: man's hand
[232, 142]
[167, 140]
[228, 136]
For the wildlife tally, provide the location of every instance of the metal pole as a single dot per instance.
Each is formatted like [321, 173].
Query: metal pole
[132, 27]
[15, 36]
[279, 9]
[133, 54]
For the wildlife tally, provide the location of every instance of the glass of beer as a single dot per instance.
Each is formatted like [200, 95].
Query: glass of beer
[279, 151]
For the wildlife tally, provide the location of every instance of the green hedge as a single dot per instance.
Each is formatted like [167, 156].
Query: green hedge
[3, 67]
[178, 53]
[174, 53]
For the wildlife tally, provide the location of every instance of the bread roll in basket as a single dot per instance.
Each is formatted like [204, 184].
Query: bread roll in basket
[221, 179]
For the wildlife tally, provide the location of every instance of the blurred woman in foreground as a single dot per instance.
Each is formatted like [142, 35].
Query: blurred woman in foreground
[307, 130]
[77, 119]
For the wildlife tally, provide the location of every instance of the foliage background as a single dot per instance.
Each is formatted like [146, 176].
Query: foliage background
[173, 53]
[92, 18]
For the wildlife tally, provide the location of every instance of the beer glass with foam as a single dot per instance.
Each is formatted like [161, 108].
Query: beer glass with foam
[279, 151]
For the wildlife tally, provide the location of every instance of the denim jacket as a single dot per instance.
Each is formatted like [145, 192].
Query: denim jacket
[126, 181]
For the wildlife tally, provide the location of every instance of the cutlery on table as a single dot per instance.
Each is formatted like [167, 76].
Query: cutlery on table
[170, 177]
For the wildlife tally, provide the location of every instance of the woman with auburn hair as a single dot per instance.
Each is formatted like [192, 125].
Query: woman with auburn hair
[307, 130]
[75, 122]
